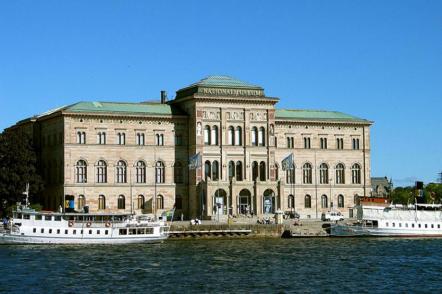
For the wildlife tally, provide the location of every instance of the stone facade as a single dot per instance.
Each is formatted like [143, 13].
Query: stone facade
[134, 156]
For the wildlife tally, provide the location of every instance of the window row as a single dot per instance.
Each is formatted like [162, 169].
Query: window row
[413, 225]
[323, 143]
[101, 174]
[70, 231]
[121, 202]
[234, 136]
[121, 138]
[307, 174]
[308, 201]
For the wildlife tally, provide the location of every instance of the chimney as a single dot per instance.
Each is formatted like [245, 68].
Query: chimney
[163, 97]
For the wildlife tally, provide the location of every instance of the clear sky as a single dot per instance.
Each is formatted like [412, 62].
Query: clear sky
[380, 60]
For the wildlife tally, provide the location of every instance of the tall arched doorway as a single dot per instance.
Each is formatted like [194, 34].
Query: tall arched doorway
[220, 203]
[245, 202]
[269, 201]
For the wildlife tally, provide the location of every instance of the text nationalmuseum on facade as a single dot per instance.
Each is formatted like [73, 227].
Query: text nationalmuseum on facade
[113, 156]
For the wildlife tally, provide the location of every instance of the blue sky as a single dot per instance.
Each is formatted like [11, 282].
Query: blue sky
[380, 60]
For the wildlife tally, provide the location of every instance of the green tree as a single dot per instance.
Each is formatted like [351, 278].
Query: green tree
[434, 192]
[18, 166]
[402, 195]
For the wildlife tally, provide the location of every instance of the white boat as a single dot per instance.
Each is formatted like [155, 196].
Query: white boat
[31, 227]
[416, 220]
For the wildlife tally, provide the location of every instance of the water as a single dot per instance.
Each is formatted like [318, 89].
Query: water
[240, 266]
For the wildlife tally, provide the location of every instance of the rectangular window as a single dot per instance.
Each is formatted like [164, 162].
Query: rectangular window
[140, 139]
[74, 232]
[323, 143]
[149, 230]
[339, 143]
[432, 226]
[106, 232]
[42, 231]
[307, 143]
[81, 232]
[412, 225]
[48, 217]
[26, 216]
[355, 143]
[57, 218]
[66, 232]
[123, 231]
[132, 231]
[58, 231]
[98, 232]
[50, 231]
[90, 232]
[37, 217]
[140, 231]
[34, 230]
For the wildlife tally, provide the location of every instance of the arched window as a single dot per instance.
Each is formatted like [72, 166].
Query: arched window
[140, 202]
[340, 174]
[308, 201]
[81, 202]
[290, 176]
[254, 136]
[214, 137]
[101, 138]
[231, 136]
[231, 169]
[160, 202]
[261, 136]
[206, 135]
[141, 172]
[239, 171]
[340, 201]
[356, 174]
[101, 202]
[121, 137]
[121, 202]
[81, 137]
[307, 173]
[238, 136]
[262, 171]
[323, 173]
[207, 169]
[255, 170]
[324, 201]
[291, 202]
[178, 173]
[159, 172]
[121, 172]
[140, 139]
[215, 170]
[101, 172]
[81, 171]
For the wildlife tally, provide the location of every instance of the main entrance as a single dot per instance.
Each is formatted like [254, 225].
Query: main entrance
[245, 202]
[220, 207]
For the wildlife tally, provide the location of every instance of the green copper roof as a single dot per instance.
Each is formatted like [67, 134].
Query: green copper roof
[115, 107]
[224, 81]
[302, 114]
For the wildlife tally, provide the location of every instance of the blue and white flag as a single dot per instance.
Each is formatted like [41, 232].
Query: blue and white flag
[287, 163]
[195, 161]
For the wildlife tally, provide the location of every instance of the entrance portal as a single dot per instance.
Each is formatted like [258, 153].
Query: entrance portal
[245, 202]
[220, 201]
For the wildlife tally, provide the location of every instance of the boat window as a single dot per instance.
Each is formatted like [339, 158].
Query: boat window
[438, 226]
[140, 231]
[74, 232]
[400, 225]
[412, 225]
[419, 225]
[149, 230]
[90, 232]
[26, 216]
[19, 216]
[34, 230]
[48, 217]
[426, 226]
[106, 232]
[57, 218]
[65, 232]
[58, 231]
[98, 232]
[432, 226]
[386, 224]
[123, 231]
[50, 231]
[132, 231]
[394, 225]
[406, 225]
[42, 231]
[38, 217]
[81, 232]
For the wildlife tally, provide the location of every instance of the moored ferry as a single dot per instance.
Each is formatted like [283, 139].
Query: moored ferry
[31, 227]
[416, 220]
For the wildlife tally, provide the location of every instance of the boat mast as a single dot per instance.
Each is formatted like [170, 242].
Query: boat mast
[26, 192]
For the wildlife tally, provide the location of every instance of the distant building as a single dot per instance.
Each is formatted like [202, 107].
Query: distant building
[381, 187]
[117, 156]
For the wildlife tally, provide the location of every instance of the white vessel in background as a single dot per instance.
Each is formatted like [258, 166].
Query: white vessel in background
[415, 220]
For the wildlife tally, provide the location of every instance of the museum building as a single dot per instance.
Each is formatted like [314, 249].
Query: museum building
[134, 157]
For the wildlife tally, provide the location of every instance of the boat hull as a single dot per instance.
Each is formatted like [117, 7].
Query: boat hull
[23, 239]
[342, 230]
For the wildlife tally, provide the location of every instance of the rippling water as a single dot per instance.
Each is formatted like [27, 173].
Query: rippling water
[240, 265]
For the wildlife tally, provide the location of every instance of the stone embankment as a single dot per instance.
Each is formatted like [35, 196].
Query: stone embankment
[208, 229]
